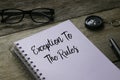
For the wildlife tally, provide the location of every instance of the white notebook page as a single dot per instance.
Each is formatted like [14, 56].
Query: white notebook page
[64, 53]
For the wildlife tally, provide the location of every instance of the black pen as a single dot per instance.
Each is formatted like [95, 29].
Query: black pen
[115, 47]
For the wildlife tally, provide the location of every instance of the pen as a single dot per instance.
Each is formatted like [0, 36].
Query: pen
[115, 47]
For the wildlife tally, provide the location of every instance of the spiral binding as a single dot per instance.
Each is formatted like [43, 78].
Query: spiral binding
[29, 63]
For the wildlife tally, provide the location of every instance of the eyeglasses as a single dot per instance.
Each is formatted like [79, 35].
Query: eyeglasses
[38, 15]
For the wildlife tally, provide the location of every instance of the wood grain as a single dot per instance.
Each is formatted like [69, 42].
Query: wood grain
[12, 69]
[64, 9]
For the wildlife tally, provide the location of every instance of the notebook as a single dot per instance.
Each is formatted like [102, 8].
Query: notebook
[62, 52]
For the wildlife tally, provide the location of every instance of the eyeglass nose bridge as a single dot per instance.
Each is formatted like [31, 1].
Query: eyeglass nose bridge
[27, 12]
[26, 15]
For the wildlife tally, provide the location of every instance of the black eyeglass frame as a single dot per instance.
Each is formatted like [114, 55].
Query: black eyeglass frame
[49, 14]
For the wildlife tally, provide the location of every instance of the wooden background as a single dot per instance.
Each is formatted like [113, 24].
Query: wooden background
[64, 9]
[75, 10]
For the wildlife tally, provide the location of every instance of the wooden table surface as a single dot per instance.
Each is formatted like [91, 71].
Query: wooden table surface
[64, 9]
[12, 69]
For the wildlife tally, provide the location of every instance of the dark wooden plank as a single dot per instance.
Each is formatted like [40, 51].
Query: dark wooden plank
[64, 9]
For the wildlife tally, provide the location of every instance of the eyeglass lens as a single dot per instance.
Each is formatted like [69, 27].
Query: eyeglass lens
[12, 16]
[40, 15]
